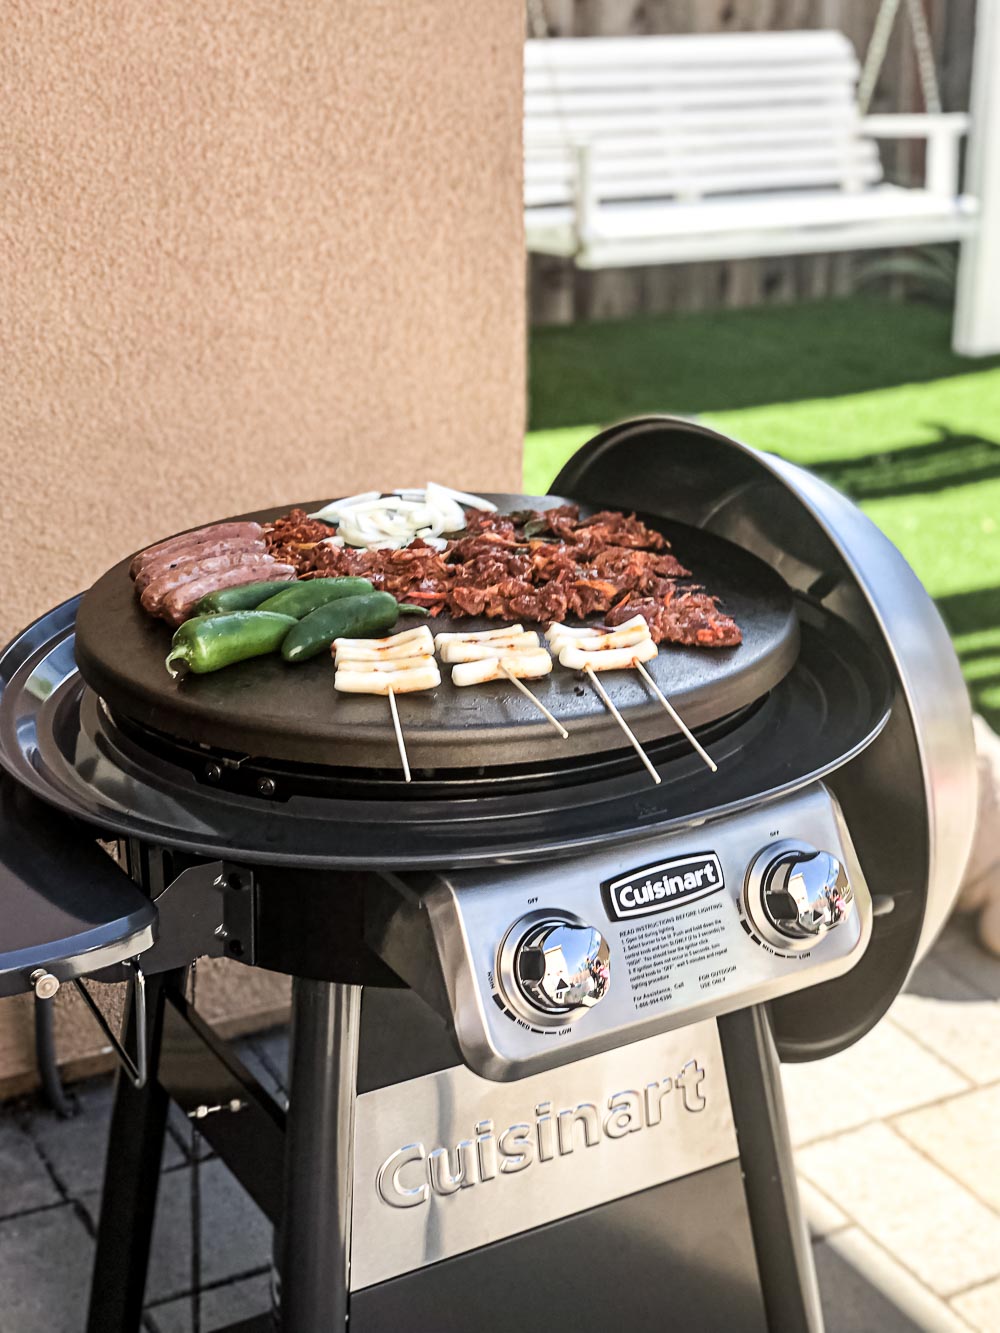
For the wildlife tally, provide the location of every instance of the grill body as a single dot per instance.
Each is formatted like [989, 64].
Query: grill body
[453, 1157]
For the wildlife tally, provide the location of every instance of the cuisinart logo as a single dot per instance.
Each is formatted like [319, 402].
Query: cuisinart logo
[665, 884]
[411, 1175]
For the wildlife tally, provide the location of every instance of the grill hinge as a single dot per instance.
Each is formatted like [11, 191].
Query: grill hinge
[205, 912]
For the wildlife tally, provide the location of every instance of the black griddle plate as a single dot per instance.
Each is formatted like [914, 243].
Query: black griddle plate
[292, 713]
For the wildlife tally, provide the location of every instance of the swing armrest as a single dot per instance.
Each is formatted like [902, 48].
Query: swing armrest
[916, 124]
[941, 129]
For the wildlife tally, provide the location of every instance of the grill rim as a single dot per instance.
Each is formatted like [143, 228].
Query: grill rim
[474, 830]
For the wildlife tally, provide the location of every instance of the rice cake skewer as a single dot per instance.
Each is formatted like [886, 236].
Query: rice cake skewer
[490, 654]
[401, 663]
[583, 640]
[592, 651]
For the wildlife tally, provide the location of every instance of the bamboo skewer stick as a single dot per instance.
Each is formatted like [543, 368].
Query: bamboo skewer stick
[399, 736]
[702, 753]
[622, 723]
[537, 702]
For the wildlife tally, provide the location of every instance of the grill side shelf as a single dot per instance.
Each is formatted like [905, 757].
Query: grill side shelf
[67, 909]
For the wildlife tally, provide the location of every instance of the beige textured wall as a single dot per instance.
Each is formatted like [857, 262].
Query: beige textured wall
[249, 253]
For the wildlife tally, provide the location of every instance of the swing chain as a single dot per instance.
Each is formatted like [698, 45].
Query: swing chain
[879, 45]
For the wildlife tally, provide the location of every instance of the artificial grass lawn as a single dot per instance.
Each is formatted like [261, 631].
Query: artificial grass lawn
[865, 392]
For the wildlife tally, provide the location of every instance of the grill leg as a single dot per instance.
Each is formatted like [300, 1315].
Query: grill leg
[781, 1240]
[131, 1177]
[319, 1157]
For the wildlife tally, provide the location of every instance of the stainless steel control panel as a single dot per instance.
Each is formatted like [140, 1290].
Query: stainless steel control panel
[550, 963]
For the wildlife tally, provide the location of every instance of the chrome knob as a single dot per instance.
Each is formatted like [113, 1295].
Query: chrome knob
[805, 894]
[562, 965]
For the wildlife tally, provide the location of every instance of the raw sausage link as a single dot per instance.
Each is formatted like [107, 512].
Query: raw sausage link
[155, 593]
[178, 605]
[202, 551]
[212, 533]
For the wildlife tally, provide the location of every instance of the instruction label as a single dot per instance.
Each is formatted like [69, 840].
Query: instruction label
[679, 953]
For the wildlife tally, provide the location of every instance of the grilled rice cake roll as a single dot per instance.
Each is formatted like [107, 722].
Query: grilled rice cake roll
[189, 554]
[155, 593]
[179, 605]
[607, 659]
[213, 532]
[405, 680]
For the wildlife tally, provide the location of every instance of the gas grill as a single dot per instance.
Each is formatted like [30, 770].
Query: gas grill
[538, 1002]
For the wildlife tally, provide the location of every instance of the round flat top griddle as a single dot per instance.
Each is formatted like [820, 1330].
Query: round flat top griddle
[267, 708]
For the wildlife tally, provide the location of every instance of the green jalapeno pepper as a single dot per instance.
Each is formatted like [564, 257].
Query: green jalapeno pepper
[207, 643]
[242, 598]
[300, 599]
[350, 618]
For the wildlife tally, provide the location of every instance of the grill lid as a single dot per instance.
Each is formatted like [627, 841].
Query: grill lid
[269, 710]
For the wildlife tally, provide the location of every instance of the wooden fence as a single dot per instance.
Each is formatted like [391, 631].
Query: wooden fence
[560, 294]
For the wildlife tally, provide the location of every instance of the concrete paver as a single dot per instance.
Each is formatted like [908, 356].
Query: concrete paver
[822, 1214]
[45, 1261]
[236, 1237]
[220, 1306]
[980, 1307]
[864, 1290]
[886, 1072]
[958, 951]
[962, 1135]
[952, 1018]
[75, 1149]
[913, 1209]
[24, 1181]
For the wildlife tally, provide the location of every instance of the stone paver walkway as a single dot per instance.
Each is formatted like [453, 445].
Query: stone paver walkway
[896, 1140]
[898, 1150]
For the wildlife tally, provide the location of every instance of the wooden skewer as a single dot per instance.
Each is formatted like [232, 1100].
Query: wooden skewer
[514, 680]
[702, 753]
[622, 723]
[399, 735]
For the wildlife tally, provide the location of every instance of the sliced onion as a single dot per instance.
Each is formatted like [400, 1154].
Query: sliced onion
[387, 521]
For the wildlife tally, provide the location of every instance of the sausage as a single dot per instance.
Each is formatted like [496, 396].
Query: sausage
[202, 551]
[179, 604]
[154, 594]
[212, 533]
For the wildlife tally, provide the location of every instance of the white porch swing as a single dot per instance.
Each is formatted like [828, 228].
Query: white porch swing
[666, 150]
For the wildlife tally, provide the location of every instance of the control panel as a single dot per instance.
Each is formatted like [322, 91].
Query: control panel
[548, 963]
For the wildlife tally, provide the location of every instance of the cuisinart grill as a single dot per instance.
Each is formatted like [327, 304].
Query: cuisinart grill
[538, 1001]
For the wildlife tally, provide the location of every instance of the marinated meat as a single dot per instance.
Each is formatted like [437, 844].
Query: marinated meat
[214, 532]
[155, 594]
[527, 566]
[179, 604]
[687, 616]
[294, 537]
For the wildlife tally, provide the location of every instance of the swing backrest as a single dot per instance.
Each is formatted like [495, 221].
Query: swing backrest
[693, 116]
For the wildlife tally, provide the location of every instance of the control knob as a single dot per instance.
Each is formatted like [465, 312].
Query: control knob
[796, 895]
[561, 965]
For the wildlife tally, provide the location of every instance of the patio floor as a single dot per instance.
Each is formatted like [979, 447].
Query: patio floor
[896, 1141]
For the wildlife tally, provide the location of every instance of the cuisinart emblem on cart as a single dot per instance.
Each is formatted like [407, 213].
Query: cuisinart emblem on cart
[542, 1136]
[449, 1161]
[652, 888]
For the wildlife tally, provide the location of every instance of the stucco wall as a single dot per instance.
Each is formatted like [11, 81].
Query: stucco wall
[249, 254]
